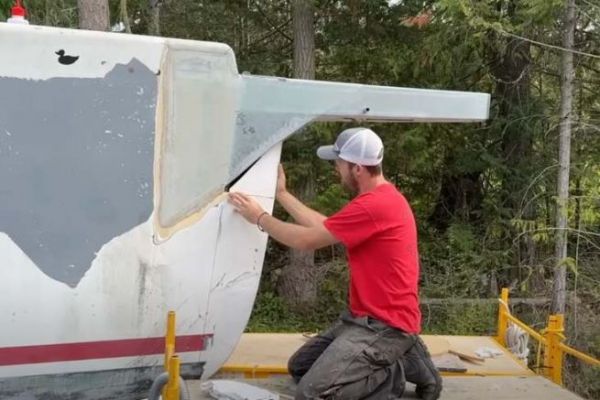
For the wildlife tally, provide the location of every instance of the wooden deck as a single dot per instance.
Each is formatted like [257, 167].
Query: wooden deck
[261, 359]
[260, 354]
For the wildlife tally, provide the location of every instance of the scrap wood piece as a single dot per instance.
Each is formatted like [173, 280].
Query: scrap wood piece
[467, 356]
[448, 363]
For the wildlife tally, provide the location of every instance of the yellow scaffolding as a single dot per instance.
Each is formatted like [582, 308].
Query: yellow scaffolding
[171, 389]
[551, 339]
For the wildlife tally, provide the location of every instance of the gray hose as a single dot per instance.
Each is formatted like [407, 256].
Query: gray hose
[161, 381]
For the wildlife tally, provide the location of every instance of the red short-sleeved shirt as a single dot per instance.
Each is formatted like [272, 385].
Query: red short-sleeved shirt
[379, 232]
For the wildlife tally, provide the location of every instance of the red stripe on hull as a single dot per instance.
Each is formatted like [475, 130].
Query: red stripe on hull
[97, 350]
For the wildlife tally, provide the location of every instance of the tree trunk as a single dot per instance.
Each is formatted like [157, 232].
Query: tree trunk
[304, 39]
[564, 156]
[47, 13]
[460, 196]
[511, 69]
[513, 85]
[93, 15]
[155, 23]
[514, 88]
[125, 16]
[298, 284]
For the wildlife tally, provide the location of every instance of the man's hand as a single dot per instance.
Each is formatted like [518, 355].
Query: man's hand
[246, 206]
[281, 184]
[293, 235]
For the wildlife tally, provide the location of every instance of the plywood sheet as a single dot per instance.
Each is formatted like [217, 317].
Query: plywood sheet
[437, 345]
[274, 349]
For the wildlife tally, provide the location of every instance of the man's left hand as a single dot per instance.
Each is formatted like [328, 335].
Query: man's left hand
[246, 206]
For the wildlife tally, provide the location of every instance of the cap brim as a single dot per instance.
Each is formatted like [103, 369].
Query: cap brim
[327, 153]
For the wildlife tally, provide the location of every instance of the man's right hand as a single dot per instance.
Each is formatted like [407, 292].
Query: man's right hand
[302, 214]
[281, 188]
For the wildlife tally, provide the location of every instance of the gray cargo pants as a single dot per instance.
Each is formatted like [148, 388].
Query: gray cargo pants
[356, 358]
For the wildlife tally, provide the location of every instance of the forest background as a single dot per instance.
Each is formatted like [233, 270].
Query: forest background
[513, 202]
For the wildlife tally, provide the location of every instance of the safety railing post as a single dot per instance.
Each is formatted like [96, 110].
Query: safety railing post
[553, 354]
[169, 348]
[502, 319]
[170, 338]
[173, 384]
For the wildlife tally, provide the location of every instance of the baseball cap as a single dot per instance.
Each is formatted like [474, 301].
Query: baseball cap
[360, 146]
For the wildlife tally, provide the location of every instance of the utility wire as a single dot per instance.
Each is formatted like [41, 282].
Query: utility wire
[581, 53]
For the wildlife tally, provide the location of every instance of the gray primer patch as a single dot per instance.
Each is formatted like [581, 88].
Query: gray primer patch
[76, 164]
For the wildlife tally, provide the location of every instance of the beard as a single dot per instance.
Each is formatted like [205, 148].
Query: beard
[350, 185]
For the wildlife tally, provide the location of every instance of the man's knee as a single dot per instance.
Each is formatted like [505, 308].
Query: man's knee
[301, 361]
[296, 368]
[304, 358]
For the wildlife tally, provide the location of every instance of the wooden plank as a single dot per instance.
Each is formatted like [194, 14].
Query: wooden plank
[449, 363]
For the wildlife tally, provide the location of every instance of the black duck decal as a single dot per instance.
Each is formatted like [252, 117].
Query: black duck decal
[65, 59]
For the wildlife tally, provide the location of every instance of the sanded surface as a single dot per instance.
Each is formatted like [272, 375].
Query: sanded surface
[437, 345]
[455, 388]
[274, 350]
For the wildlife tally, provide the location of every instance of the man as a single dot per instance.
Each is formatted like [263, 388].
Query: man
[372, 348]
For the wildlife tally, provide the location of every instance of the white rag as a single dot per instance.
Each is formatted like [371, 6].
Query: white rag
[488, 352]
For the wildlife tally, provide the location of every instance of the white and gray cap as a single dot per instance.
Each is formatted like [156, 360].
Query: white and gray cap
[360, 146]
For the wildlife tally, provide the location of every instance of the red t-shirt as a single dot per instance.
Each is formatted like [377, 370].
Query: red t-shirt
[379, 232]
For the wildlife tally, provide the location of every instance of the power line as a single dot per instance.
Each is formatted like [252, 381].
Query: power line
[581, 53]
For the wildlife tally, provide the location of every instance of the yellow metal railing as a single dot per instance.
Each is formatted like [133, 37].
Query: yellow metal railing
[551, 339]
[171, 389]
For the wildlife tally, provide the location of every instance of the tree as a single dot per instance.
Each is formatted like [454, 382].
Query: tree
[125, 15]
[155, 15]
[304, 39]
[298, 284]
[93, 15]
[564, 159]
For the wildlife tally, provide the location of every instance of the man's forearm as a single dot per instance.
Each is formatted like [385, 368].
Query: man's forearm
[302, 214]
[296, 236]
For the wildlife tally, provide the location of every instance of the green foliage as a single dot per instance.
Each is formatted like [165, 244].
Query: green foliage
[331, 199]
[461, 238]
[61, 13]
[451, 319]
[5, 9]
[270, 313]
